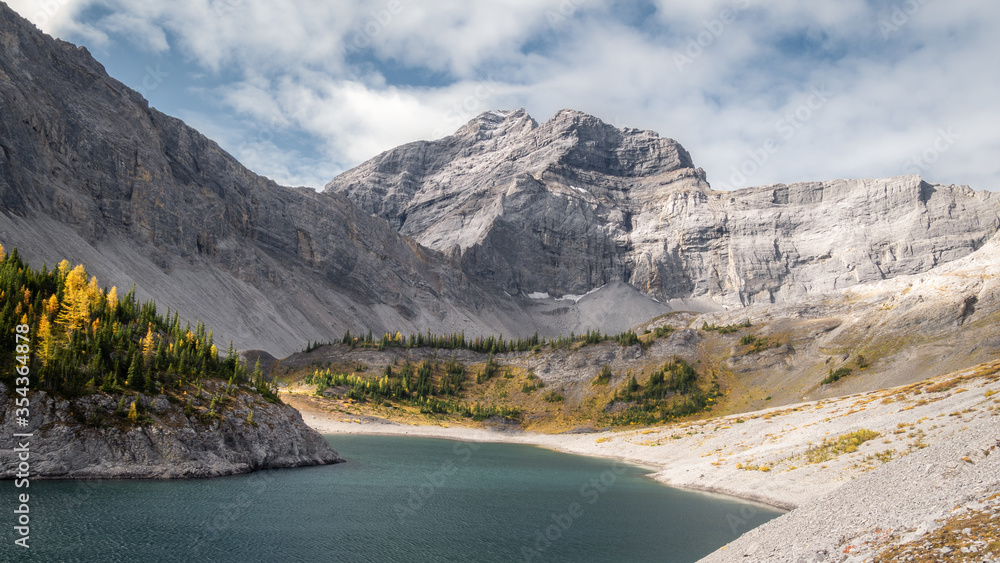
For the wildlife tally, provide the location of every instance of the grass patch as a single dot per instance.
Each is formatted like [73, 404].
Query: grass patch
[750, 467]
[604, 377]
[844, 444]
[725, 329]
[553, 397]
[757, 344]
[836, 375]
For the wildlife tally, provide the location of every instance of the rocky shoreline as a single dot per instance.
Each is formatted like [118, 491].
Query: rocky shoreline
[90, 437]
[932, 454]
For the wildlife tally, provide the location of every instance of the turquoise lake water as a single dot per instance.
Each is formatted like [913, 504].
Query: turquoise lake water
[396, 499]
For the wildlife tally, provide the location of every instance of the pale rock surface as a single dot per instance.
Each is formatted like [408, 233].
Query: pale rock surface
[574, 203]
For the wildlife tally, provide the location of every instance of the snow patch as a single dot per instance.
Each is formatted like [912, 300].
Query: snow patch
[538, 295]
[581, 190]
[577, 298]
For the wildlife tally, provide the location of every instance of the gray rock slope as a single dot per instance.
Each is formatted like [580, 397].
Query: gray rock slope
[91, 173]
[84, 437]
[897, 503]
[572, 204]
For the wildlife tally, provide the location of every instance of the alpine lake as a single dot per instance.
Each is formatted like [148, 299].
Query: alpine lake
[397, 499]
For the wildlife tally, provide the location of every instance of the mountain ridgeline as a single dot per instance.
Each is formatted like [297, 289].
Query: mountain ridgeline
[573, 204]
[508, 226]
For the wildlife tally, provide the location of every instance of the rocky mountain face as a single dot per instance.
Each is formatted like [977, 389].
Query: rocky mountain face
[89, 172]
[507, 226]
[572, 204]
[88, 437]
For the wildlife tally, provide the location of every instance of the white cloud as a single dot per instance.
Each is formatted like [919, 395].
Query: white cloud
[320, 69]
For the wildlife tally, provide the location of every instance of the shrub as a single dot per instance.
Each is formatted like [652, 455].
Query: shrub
[604, 377]
[552, 397]
[846, 443]
[836, 375]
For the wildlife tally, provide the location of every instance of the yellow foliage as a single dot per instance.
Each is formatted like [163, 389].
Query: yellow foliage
[113, 298]
[133, 413]
[2, 251]
[52, 306]
[94, 293]
[46, 340]
[149, 342]
[75, 311]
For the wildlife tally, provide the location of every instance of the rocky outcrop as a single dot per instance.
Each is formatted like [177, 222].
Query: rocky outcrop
[90, 437]
[574, 203]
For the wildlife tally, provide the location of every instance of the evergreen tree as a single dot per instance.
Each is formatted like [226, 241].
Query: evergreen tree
[136, 375]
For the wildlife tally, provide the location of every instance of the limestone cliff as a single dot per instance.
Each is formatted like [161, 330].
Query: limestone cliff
[574, 203]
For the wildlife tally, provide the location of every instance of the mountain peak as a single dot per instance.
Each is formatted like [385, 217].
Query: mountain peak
[495, 123]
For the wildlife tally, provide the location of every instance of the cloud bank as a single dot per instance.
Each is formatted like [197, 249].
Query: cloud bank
[758, 92]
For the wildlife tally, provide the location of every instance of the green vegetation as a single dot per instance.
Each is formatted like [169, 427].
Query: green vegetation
[725, 329]
[489, 370]
[604, 377]
[429, 386]
[483, 345]
[671, 392]
[844, 444]
[836, 375]
[628, 338]
[310, 345]
[553, 397]
[661, 331]
[757, 343]
[83, 338]
[533, 383]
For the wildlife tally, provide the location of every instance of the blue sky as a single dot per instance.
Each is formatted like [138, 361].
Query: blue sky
[758, 92]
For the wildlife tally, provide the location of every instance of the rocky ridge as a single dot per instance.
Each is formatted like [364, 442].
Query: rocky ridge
[89, 437]
[572, 204]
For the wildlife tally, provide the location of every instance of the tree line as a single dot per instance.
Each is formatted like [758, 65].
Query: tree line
[431, 386]
[481, 344]
[85, 338]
